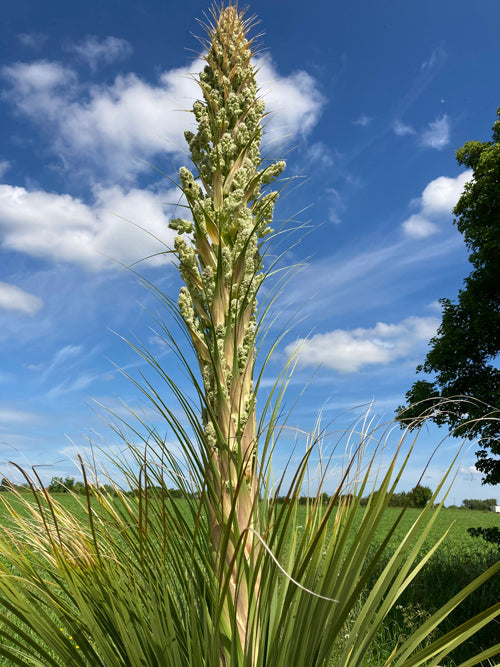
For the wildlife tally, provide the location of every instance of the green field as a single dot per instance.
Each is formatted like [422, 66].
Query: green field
[459, 559]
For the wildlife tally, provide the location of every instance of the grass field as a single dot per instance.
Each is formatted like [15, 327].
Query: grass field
[459, 559]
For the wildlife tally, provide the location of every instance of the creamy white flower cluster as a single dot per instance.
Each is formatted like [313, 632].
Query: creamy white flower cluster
[218, 252]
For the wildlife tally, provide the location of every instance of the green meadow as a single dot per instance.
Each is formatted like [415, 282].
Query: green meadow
[459, 559]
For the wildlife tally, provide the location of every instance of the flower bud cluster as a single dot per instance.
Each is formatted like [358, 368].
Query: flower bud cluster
[218, 252]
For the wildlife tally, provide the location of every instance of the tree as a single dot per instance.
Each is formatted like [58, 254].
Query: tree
[60, 485]
[479, 505]
[463, 360]
[491, 535]
[420, 496]
[6, 485]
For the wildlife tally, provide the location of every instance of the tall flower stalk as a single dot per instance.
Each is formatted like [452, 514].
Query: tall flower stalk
[220, 261]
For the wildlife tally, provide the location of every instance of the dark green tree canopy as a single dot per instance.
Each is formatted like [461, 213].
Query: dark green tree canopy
[463, 360]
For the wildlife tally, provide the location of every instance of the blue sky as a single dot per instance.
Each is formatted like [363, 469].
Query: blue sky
[369, 102]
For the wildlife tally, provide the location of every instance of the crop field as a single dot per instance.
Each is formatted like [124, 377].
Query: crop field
[459, 559]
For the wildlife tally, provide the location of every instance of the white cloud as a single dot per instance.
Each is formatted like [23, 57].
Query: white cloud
[470, 471]
[319, 154]
[12, 416]
[441, 195]
[67, 356]
[39, 77]
[436, 307]
[94, 51]
[66, 353]
[294, 101]
[349, 351]
[419, 227]
[363, 120]
[63, 228]
[436, 59]
[437, 201]
[437, 135]
[114, 125]
[336, 206]
[4, 167]
[14, 298]
[401, 129]
[110, 126]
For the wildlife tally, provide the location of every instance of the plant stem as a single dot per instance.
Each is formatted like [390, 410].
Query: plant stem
[221, 266]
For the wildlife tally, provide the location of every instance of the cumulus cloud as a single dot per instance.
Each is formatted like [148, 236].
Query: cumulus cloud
[104, 129]
[400, 129]
[15, 298]
[108, 126]
[349, 351]
[113, 125]
[39, 78]
[437, 134]
[63, 228]
[94, 51]
[294, 101]
[441, 195]
[419, 227]
[437, 201]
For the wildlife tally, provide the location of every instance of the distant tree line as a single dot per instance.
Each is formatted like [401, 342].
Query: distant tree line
[418, 497]
[70, 485]
[479, 504]
[7, 485]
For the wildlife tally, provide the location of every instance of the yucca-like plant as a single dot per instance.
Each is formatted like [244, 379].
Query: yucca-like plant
[221, 266]
[225, 575]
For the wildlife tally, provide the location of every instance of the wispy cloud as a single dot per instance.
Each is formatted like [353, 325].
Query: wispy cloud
[348, 351]
[66, 357]
[437, 201]
[95, 51]
[437, 58]
[400, 129]
[12, 416]
[372, 278]
[429, 68]
[4, 167]
[32, 40]
[319, 154]
[15, 298]
[363, 120]
[336, 205]
[437, 134]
